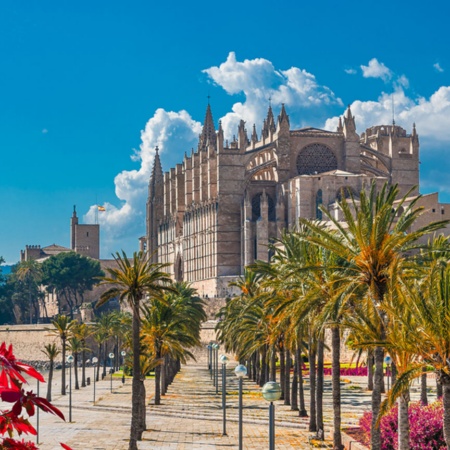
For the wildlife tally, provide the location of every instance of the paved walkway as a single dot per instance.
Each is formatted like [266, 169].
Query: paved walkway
[190, 416]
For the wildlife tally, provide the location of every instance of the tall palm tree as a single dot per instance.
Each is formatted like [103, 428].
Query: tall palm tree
[63, 328]
[75, 345]
[51, 351]
[82, 332]
[374, 234]
[133, 282]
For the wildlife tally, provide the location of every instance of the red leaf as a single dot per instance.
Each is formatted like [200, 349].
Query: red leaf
[66, 447]
[46, 406]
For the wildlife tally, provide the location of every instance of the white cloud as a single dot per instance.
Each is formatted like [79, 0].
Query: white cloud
[258, 80]
[438, 67]
[432, 115]
[376, 69]
[350, 71]
[172, 132]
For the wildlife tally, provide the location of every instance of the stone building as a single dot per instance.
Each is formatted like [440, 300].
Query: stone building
[217, 211]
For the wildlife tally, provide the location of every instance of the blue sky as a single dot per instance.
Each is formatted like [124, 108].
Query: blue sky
[88, 88]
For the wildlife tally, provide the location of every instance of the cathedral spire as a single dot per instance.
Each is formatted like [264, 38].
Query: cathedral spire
[208, 131]
[157, 174]
[349, 123]
[254, 135]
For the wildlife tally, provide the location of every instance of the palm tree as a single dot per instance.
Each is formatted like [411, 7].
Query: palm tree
[374, 234]
[51, 351]
[82, 332]
[132, 282]
[170, 328]
[75, 345]
[63, 329]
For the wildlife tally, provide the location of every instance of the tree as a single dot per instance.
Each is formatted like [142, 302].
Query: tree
[51, 351]
[63, 329]
[372, 237]
[69, 275]
[30, 273]
[171, 326]
[135, 282]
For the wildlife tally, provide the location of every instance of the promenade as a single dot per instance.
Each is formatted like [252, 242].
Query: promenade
[190, 416]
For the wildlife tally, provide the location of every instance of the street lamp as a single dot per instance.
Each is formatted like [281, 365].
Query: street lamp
[240, 372]
[209, 348]
[216, 367]
[388, 362]
[94, 364]
[69, 360]
[123, 353]
[271, 392]
[111, 357]
[213, 363]
[224, 360]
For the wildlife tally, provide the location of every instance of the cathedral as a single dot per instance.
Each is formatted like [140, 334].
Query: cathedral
[217, 211]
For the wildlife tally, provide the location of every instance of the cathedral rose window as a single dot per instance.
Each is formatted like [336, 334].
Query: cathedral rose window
[315, 158]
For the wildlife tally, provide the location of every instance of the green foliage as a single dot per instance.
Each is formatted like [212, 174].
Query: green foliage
[70, 275]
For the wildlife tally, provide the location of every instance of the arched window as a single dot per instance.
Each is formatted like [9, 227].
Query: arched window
[319, 202]
[256, 207]
[315, 158]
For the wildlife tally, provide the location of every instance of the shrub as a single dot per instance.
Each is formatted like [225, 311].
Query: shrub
[12, 390]
[425, 424]
[348, 371]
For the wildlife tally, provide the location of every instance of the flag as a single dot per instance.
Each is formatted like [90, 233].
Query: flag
[101, 208]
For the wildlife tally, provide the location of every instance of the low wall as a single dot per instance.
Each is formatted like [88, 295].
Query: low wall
[28, 340]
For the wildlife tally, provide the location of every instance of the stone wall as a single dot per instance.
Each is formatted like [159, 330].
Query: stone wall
[28, 340]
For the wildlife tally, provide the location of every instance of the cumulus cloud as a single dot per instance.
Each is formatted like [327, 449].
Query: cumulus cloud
[172, 132]
[260, 81]
[431, 115]
[376, 69]
[438, 67]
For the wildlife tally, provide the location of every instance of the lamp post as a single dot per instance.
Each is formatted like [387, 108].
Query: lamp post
[224, 360]
[388, 362]
[213, 363]
[216, 367]
[208, 349]
[123, 353]
[271, 392]
[240, 372]
[111, 357]
[94, 364]
[69, 360]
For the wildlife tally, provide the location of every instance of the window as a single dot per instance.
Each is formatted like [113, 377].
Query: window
[315, 158]
[319, 202]
[256, 207]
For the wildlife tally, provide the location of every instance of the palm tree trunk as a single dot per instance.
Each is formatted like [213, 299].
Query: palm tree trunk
[312, 387]
[282, 373]
[294, 390]
[105, 359]
[319, 388]
[75, 370]
[423, 387]
[262, 377]
[439, 391]
[287, 378]
[135, 431]
[403, 422]
[375, 433]
[370, 370]
[49, 381]
[158, 379]
[63, 371]
[164, 376]
[99, 361]
[273, 363]
[83, 367]
[301, 391]
[336, 387]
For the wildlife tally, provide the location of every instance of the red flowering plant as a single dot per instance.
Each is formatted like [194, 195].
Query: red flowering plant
[12, 391]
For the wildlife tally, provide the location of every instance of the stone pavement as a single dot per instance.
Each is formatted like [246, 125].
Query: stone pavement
[190, 416]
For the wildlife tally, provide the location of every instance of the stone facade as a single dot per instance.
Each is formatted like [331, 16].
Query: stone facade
[217, 211]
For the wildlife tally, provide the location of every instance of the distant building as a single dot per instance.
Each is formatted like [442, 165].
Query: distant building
[84, 239]
[217, 211]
